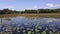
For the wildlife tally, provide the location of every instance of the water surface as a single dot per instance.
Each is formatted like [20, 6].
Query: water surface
[29, 25]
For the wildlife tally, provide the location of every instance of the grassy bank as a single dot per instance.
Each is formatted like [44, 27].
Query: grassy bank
[42, 14]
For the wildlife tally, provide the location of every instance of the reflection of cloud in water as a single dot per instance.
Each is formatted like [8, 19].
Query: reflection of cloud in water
[51, 19]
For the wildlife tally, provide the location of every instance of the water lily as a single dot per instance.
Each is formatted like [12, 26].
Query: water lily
[29, 32]
[51, 32]
[43, 32]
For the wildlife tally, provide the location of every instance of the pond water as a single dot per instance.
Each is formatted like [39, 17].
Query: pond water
[29, 25]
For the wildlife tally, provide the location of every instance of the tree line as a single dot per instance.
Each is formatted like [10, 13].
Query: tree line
[7, 11]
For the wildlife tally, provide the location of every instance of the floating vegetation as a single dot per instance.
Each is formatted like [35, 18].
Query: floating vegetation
[43, 32]
[50, 32]
[29, 32]
[38, 29]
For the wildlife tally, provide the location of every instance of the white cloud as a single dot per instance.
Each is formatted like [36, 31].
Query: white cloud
[52, 5]
[9, 7]
[35, 7]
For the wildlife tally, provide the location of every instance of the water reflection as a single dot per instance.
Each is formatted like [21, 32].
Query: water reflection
[29, 25]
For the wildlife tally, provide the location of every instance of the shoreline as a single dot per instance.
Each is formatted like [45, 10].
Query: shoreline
[42, 14]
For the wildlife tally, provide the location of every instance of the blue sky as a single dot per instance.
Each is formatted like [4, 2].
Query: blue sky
[29, 4]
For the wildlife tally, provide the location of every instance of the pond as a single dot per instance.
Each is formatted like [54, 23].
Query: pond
[29, 25]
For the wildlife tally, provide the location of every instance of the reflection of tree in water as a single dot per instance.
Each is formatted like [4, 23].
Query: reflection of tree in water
[0, 20]
[7, 18]
[32, 17]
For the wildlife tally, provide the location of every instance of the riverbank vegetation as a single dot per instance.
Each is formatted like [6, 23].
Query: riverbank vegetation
[8, 11]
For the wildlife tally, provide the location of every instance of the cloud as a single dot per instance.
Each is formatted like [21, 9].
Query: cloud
[9, 7]
[52, 5]
[34, 7]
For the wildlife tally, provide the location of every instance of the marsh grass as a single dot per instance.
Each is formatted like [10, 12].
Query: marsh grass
[32, 15]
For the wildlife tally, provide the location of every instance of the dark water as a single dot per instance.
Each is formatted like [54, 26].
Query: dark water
[29, 25]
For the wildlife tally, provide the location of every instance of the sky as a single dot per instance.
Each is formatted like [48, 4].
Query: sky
[29, 4]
